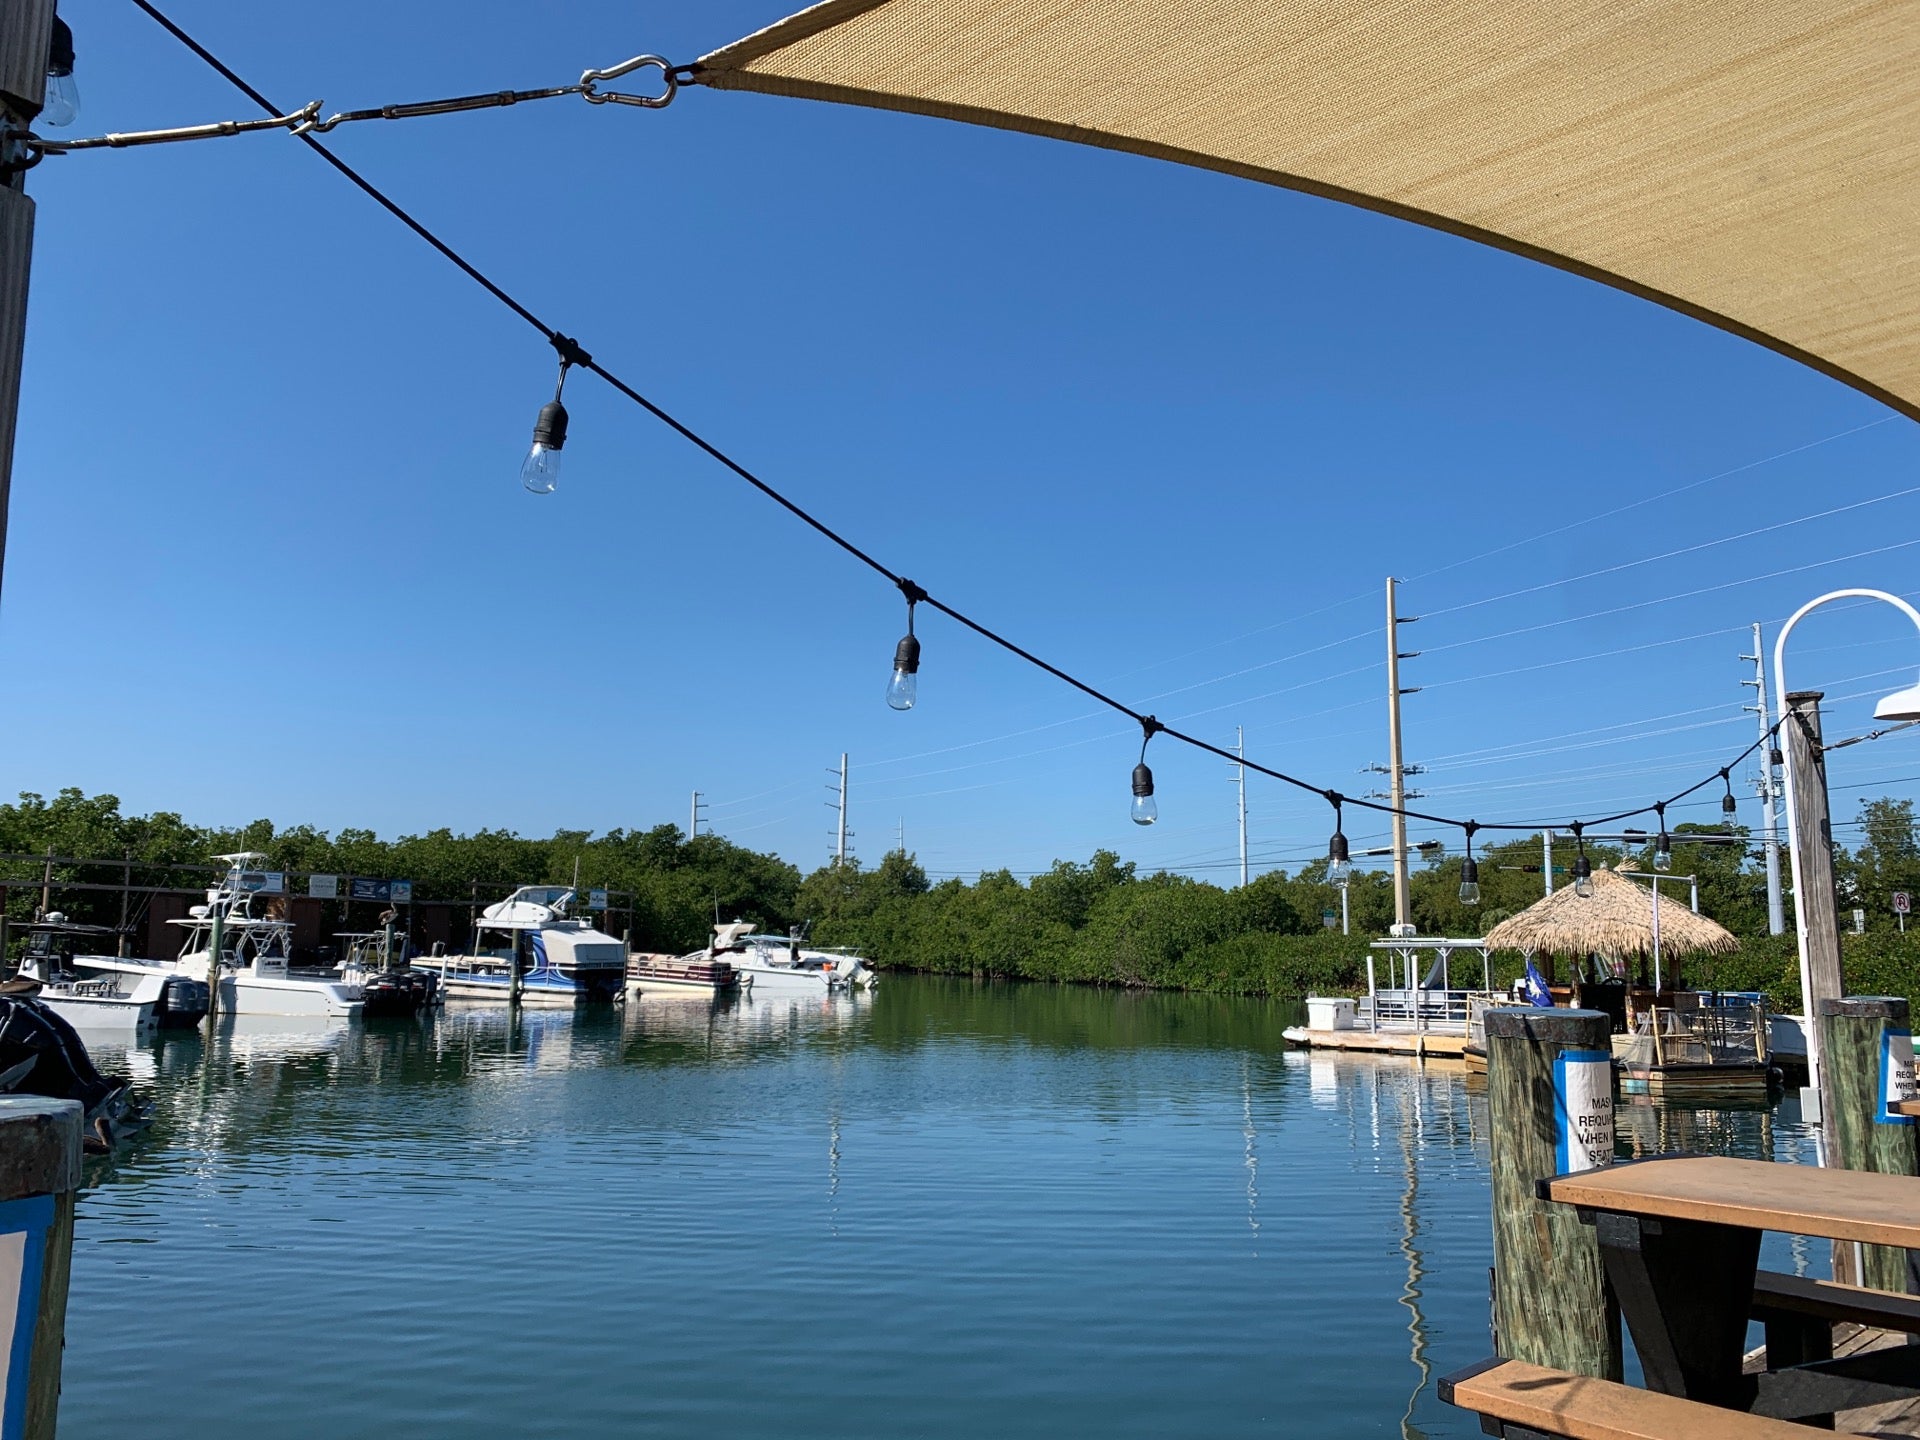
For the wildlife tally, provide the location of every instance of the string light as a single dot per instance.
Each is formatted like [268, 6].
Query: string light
[1663, 844]
[903, 690]
[1582, 867]
[1145, 809]
[540, 471]
[1469, 870]
[1339, 859]
[551, 436]
[61, 105]
[1729, 808]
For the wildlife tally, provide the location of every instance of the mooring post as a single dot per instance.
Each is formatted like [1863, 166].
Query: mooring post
[39, 1175]
[1866, 1042]
[216, 938]
[1550, 1111]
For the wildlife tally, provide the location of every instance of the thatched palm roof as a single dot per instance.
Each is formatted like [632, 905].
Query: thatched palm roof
[1615, 921]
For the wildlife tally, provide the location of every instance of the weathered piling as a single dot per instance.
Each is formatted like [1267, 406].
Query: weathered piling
[1550, 1110]
[216, 939]
[39, 1174]
[1866, 1042]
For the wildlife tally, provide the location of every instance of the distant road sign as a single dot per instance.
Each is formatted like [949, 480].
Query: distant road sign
[1327, 918]
[1902, 903]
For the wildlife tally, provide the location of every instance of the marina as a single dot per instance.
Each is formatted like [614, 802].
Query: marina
[1165, 1156]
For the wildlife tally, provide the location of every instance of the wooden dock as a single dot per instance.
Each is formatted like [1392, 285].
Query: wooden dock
[1426, 1044]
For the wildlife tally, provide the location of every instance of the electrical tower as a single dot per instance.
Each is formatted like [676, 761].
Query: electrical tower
[1396, 767]
[1767, 784]
[1240, 779]
[693, 815]
[839, 806]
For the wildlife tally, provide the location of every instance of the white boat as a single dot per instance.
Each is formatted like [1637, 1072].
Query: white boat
[559, 960]
[126, 1002]
[255, 975]
[781, 964]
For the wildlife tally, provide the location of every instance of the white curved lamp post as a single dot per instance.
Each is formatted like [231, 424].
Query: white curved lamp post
[1901, 705]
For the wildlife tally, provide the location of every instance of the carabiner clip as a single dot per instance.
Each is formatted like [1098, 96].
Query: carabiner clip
[646, 102]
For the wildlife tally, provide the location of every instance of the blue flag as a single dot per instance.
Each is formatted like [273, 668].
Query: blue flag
[1535, 988]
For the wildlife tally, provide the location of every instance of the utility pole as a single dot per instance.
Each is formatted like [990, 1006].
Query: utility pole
[839, 804]
[26, 37]
[1240, 779]
[900, 835]
[1402, 892]
[1546, 861]
[1768, 784]
[693, 817]
[1811, 833]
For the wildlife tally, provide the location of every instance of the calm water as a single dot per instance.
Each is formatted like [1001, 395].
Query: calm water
[943, 1210]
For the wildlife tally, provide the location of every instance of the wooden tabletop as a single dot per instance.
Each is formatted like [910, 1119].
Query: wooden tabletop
[1905, 1107]
[1755, 1195]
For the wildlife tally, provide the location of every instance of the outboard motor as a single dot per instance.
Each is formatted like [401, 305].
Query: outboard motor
[62, 1069]
[182, 1004]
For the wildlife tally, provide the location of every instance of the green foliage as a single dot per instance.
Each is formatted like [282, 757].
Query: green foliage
[677, 884]
[1097, 923]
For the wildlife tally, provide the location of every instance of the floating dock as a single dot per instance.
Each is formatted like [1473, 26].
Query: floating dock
[1425, 1043]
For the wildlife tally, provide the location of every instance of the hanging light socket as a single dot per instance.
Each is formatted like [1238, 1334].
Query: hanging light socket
[1145, 809]
[1339, 857]
[903, 689]
[1582, 867]
[1470, 871]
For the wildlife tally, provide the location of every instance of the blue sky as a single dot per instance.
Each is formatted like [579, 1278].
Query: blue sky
[269, 555]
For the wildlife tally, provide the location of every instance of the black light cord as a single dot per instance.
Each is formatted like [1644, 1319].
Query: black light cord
[571, 353]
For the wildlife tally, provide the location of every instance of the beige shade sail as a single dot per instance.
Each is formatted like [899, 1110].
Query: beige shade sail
[1752, 163]
[1615, 921]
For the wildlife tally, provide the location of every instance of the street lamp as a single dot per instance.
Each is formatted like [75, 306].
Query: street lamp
[1901, 705]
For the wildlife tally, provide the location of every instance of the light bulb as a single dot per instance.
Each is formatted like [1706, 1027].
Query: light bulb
[1469, 881]
[1339, 872]
[1145, 811]
[540, 472]
[60, 106]
[1583, 877]
[1339, 863]
[1663, 853]
[904, 688]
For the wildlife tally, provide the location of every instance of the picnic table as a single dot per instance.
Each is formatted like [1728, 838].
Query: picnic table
[1680, 1240]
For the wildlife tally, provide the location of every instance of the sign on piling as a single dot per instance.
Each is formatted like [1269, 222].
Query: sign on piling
[39, 1173]
[1550, 1111]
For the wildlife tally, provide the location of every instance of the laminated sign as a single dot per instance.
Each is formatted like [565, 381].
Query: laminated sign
[1583, 1110]
[23, 1247]
[1896, 1075]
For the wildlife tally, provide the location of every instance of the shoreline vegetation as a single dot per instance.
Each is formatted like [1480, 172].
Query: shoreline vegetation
[1097, 923]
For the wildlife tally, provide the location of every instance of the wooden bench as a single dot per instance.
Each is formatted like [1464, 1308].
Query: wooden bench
[1799, 1314]
[1517, 1399]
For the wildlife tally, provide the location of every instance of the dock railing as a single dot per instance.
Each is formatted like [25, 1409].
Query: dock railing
[1697, 1034]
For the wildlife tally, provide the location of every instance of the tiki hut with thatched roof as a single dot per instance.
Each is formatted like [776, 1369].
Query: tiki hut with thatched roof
[1615, 922]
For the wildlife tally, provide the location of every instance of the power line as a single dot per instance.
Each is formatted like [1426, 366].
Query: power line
[571, 353]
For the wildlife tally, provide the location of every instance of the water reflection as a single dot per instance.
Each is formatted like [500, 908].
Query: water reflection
[1042, 1209]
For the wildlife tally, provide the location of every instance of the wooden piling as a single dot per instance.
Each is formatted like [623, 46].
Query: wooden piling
[216, 938]
[1867, 1046]
[39, 1175]
[1550, 1110]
